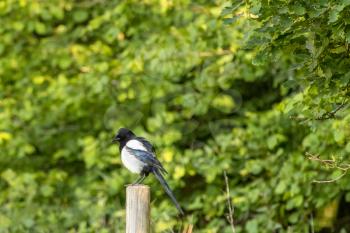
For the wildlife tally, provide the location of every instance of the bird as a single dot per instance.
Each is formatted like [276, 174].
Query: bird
[138, 156]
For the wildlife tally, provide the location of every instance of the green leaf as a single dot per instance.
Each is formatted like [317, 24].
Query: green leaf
[261, 58]
[226, 11]
[40, 28]
[347, 197]
[281, 187]
[5, 222]
[290, 84]
[224, 103]
[231, 20]
[252, 226]
[339, 136]
[47, 190]
[298, 9]
[236, 4]
[336, 10]
[80, 16]
[347, 36]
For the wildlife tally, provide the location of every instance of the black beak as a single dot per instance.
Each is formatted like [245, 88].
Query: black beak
[115, 140]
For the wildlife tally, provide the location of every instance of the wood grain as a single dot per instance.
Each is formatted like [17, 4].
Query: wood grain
[188, 229]
[138, 209]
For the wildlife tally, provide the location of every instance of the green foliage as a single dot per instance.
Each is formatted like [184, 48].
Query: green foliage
[309, 40]
[211, 96]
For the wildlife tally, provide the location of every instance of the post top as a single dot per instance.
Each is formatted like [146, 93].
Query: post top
[137, 186]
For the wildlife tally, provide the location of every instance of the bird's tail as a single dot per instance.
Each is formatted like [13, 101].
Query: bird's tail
[167, 189]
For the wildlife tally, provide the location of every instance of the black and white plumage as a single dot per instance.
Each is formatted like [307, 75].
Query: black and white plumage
[138, 156]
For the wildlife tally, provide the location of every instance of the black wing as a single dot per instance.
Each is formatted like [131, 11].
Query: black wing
[146, 157]
[146, 144]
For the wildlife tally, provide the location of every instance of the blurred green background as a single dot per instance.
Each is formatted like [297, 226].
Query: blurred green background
[248, 87]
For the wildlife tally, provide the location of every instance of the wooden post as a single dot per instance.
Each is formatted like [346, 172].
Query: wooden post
[138, 209]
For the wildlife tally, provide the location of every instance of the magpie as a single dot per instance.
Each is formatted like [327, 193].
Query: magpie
[138, 156]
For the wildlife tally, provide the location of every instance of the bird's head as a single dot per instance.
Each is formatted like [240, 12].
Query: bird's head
[123, 134]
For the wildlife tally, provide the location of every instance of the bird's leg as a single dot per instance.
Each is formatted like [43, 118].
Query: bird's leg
[143, 176]
[136, 181]
[140, 179]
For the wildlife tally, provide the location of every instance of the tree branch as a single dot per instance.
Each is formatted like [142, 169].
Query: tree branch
[332, 163]
[324, 116]
[229, 203]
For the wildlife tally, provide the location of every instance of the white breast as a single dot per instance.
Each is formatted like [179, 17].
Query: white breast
[135, 144]
[129, 160]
